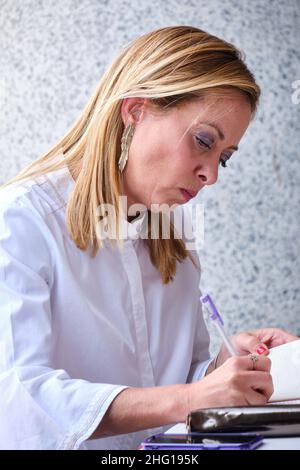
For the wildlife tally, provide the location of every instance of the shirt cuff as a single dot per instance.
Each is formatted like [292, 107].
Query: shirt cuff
[201, 369]
[91, 418]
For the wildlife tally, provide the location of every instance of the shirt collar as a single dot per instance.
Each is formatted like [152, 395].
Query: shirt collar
[134, 229]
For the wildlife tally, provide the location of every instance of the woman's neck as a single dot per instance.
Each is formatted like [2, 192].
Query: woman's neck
[75, 173]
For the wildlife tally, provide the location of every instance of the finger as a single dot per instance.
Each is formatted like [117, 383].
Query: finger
[260, 382]
[274, 336]
[261, 349]
[255, 398]
[251, 343]
[265, 335]
[262, 363]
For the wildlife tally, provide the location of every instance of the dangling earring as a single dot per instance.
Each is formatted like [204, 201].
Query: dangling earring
[125, 144]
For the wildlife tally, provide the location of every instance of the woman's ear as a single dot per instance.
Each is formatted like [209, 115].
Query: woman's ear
[132, 110]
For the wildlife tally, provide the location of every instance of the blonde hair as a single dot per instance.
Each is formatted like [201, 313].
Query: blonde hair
[168, 66]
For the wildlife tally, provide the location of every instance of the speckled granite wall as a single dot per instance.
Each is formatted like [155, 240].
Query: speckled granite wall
[51, 57]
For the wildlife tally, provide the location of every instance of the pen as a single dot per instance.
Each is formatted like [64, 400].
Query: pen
[216, 318]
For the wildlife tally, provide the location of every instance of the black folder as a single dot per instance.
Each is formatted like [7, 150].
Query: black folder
[270, 420]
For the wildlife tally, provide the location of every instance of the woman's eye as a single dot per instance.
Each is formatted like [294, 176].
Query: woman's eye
[223, 160]
[204, 143]
[208, 145]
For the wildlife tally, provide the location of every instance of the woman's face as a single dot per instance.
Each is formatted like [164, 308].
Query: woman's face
[174, 154]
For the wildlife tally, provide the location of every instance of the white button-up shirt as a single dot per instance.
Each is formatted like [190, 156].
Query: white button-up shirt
[75, 330]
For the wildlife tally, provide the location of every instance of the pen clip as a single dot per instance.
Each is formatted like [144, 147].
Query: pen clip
[214, 314]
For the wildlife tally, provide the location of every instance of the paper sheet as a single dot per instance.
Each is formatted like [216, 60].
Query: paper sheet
[285, 371]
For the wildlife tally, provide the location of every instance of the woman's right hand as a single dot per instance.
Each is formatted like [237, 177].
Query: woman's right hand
[235, 383]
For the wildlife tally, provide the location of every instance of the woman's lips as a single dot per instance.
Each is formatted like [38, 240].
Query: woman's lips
[187, 194]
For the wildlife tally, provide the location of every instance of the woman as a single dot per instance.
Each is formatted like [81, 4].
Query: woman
[103, 340]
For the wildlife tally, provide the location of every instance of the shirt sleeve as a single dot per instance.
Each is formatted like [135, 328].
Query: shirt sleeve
[40, 407]
[201, 356]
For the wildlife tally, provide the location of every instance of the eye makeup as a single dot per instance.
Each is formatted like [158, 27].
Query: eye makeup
[205, 140]
[217, 133]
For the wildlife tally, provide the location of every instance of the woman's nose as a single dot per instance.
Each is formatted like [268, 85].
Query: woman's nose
[209, 174]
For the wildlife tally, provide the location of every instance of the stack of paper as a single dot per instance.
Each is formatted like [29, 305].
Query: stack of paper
[285, 371]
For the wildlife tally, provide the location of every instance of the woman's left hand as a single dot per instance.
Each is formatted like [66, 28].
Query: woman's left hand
[256, 342]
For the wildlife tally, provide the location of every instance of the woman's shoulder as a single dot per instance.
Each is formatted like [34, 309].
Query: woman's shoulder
[28, 231]
[26, 240]
[20, 213]
[29, 211]
[43, 194]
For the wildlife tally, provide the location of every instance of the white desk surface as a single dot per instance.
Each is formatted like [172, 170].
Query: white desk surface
[274, 443]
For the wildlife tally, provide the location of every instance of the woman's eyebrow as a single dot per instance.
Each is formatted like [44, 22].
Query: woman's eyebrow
[220, 133]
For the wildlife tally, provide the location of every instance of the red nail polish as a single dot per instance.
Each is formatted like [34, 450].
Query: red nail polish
[261, 350]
